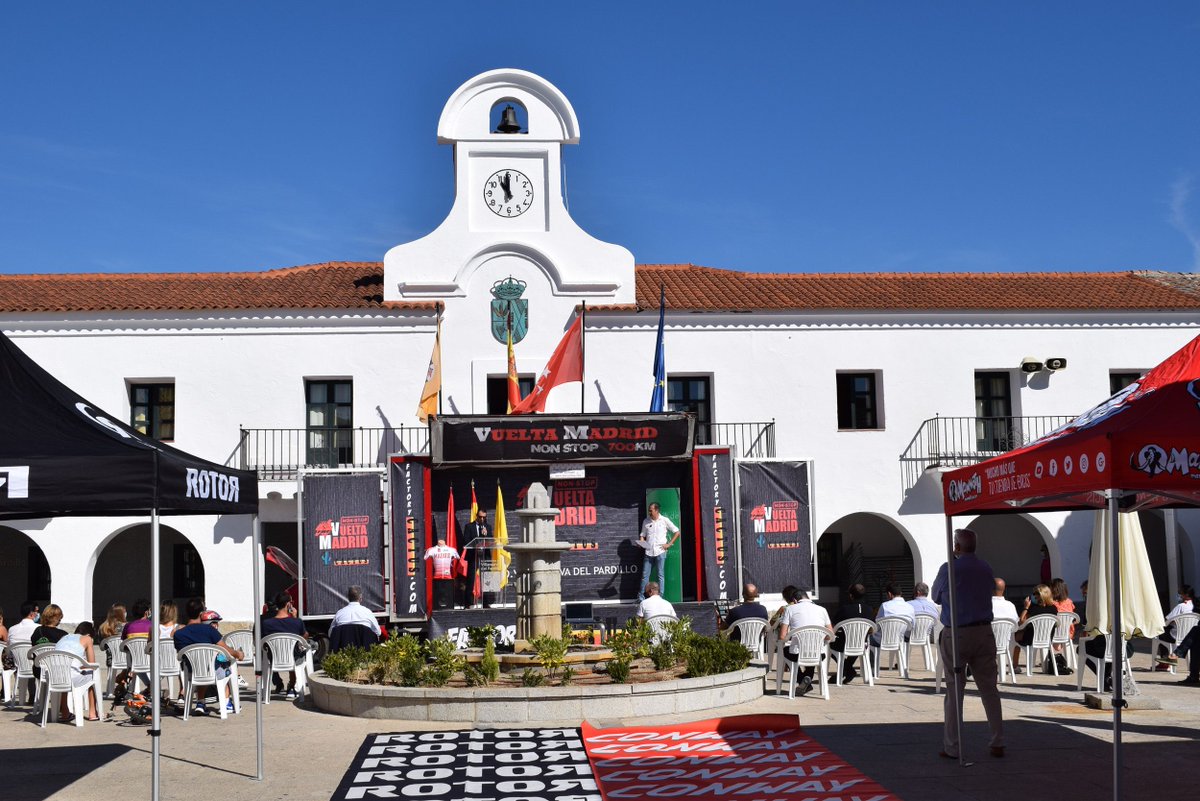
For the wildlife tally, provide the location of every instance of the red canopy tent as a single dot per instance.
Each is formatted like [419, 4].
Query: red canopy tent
[1140, 449]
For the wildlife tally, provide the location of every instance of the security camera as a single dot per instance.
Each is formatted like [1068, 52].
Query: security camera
[1030, 365]
[1056, 363]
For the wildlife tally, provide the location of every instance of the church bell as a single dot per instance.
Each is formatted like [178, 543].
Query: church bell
[508, 121]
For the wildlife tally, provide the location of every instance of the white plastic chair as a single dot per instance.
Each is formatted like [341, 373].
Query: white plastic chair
[891, 641]
[751, 633]
[22, 673]
[1183, 625]
[658, 627]
[1062, 637]
[201, 661]
[243, 640]
[169, 669]
[1002, 632]
[279, 656]
[921, 636]
[138, 649]
[58, 671]
[857, 630]
[1043, 632]
[1099, 664]
[810, 644]
[118, 660]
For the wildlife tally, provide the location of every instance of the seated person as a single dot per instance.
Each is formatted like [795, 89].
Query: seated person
[201, 628]
[22, 630]
[654, 604]
[894, 606]
[81, 644]
[1186, 606]
[354, 613]
[1002, 608]
[748, 609]
[284, 621]
[1044, 606]
[801, 611]
[921, 605]
[48, 632]
[851, 609]
[137, 627]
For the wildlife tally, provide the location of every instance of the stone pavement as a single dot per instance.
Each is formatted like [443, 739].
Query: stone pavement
[892, 732]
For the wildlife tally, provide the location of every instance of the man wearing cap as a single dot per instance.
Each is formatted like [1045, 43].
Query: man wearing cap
[201, 629]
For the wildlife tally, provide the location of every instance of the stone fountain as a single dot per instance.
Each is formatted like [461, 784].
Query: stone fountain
[536, 560]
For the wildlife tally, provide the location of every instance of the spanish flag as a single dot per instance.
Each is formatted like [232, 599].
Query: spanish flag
[500, 532]
[514, 386]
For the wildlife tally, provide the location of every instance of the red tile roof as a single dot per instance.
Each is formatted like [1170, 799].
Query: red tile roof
[359, 285]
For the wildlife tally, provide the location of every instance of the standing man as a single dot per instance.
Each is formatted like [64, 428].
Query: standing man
[477, 529]
[653, 540]
[973, 587]
[443, 557]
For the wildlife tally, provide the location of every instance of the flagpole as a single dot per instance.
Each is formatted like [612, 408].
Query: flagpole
[440, 306]
[582, 357]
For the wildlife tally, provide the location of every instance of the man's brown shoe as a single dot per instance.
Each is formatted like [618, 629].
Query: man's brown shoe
[997, 751]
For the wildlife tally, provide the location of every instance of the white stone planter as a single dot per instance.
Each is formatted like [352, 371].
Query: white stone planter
[552, 705]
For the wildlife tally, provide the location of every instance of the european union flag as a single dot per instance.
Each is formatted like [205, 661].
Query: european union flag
[658, 399]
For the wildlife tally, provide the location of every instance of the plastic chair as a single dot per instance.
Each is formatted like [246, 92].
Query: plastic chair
[1062, 636]
[891, 641]
[658, 627]
[243, 640]
[201, 661]
[1043, 632]
[118, 660]
[751, 633]
[279, 656]
[138, 650]
[58, 670]
[1183, 625]
[1002, 632]
[921, 636]
[169, 669]
[1100, 664]
[857, 630]
[22, 672]
[810, 644]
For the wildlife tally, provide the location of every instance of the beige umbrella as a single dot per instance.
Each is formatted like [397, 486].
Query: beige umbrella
[1141, 612]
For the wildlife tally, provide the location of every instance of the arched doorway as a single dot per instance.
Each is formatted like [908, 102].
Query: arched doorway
[121, 573]
[866, 548]
[1012, 545]
[24, 573]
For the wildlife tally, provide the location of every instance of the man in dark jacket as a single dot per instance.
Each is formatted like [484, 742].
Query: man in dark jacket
[748, 609]
[477, 529]
[852, 608]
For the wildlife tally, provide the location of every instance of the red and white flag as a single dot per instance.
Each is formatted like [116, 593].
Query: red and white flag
[565, 365]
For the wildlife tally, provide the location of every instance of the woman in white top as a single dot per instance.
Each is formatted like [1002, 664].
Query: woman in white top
[82, 645]
[168, 619]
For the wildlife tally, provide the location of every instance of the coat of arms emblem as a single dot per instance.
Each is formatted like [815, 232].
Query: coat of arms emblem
[509, 310]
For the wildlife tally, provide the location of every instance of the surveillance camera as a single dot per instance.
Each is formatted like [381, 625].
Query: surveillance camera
[1056, 363]
[1030, 365]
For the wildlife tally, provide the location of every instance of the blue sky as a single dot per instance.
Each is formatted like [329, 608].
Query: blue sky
[787, 137]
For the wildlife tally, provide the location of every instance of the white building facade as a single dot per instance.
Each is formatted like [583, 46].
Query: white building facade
[874, 377]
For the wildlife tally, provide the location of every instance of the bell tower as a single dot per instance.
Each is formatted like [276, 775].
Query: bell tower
[508, 128]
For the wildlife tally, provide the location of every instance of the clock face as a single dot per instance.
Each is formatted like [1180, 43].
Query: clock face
[508, 193]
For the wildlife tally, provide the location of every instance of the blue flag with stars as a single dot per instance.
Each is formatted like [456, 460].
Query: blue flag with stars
[658, 399]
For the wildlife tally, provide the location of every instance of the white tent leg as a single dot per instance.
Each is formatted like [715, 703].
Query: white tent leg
[258, 667]
[155, 700]
[1117, 644]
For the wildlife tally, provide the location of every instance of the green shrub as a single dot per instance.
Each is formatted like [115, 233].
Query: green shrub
[473, 675]
[618, 670]
[489, 664]
[662, 655]
[345, 663]
[568, 675]
[480, 636]
[708, 656]
[550, 652]
[398, 660]
[532, 678]
[632, 642]
[443, 663]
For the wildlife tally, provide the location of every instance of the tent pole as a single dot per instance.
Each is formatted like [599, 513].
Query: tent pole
[258, 672]
[155, 690]
[1117, 643]
[952, 676]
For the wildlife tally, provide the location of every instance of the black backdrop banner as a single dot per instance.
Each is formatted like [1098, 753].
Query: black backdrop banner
[343, 540]
[407, 486]
[775, 524]
[600, 516]
[717, 523]
[571, 438]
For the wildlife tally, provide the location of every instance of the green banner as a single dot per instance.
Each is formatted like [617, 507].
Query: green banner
[667, 499]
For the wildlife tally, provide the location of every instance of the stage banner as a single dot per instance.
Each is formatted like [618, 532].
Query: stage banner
[342, 540]
[407, 483]
[774, 523]
[600, 515]
[478, 765]
[560, 438]
[744, 757]
[716, 521]
[671, 584]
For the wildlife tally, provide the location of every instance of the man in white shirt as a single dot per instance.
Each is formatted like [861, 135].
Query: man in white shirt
[921, 605]
[653, 539]
[1186, 606]
[1002, 608]
[654, 604]
[355, 613]
[894, 606]
[801, 611]
[23, 631]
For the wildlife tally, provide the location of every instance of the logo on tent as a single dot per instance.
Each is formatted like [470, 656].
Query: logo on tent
[1154, 459]
[14, 481]
[965, 490]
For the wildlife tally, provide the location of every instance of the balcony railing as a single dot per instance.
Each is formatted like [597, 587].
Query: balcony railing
[962, 441]
[277, 454]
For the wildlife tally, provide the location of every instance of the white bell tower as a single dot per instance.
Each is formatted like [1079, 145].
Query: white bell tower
[508, 128]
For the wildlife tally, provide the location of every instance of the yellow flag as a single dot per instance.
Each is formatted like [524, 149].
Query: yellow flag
[433, 379]
[500, 532]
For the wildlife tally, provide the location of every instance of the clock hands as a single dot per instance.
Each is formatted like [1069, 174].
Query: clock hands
[505, 184]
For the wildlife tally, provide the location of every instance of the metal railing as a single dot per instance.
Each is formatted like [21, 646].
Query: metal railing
[278, 454]
[962, 441]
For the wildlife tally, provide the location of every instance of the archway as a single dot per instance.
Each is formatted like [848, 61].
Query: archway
[24, 573]
[866, 548]
[121, 569]
[1012, 545]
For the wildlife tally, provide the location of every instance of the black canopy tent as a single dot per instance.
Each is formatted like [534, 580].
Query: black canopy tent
[61, 456]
